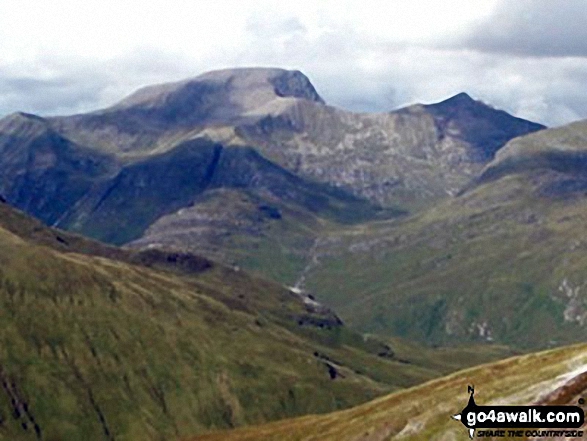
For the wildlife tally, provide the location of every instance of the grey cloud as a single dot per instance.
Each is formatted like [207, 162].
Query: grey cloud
[348, 69]
[540, 28]
[63, 94]
[82, 86]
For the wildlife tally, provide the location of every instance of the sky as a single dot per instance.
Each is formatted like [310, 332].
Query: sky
[527, 57]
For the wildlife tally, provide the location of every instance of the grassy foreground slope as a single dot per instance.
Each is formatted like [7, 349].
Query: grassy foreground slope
[96, 345]
[424, 412]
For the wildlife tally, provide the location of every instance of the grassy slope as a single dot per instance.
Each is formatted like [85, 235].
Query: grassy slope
[495, 258]
[266, 232]
[93, 348]
[423, 412]
[261, 234]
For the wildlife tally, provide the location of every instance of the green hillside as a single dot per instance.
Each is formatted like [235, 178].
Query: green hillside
[107, 348]
[504, 261]
[424, 412]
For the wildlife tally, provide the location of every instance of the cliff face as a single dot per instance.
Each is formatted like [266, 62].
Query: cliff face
[409, 156]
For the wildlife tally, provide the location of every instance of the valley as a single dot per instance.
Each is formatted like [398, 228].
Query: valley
[251, 168]
[229, 251]
[99, 342]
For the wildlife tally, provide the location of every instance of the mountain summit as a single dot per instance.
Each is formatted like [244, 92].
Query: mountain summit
[230, 92]
[239, 159]
[156, 115]
[459, 99]
[483, 127]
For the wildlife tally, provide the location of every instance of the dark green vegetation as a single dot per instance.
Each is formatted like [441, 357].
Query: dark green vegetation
[108, 348]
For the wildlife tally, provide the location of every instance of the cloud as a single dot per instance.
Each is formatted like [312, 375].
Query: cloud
[526, 57]
[64, 93]
[57, 85]
[538, 28]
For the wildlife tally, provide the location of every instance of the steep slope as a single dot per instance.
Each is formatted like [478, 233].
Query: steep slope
[424, 412]
[247, 166]
[504, 261]
[116, 199]
[44, 173]
[306, 136]
[142, 192]
[99, 348]
[407, 157]
[158, 117]
[482, 127]
[107, 198]
[155, 168]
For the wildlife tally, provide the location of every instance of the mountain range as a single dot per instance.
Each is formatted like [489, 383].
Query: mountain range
[445, 223]
[230, 250]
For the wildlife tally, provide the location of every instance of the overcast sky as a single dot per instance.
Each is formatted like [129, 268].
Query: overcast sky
[528, 57]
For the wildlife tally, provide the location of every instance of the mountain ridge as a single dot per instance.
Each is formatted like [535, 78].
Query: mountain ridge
[224, 101]
[254, 175]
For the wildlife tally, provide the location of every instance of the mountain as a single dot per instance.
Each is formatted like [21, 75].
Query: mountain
[122, 208]
[451, 223]
[114, 200]
[413, 154]
[242, 229]
[503, 261]
[251, 168]
[156, 118]
[424, 412]
[104, 343]
[406, 157]
[44, 173]
[260, 145]
[556, 154]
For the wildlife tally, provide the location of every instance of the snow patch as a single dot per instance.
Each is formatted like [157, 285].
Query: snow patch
[575, 310]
